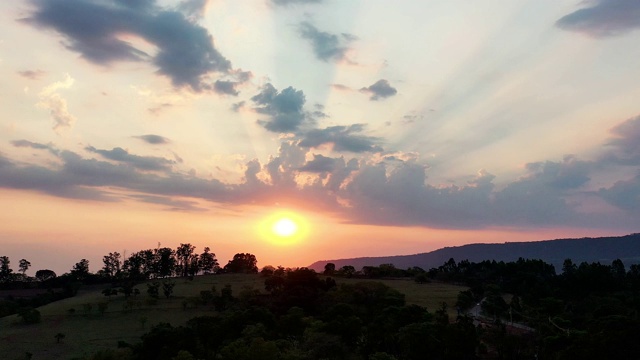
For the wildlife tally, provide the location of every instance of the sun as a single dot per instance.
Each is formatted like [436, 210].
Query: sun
[284, 228]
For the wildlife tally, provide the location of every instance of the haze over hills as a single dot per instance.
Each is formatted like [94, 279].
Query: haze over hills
[602, 249]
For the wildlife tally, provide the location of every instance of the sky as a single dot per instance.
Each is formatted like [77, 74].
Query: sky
[382, 128]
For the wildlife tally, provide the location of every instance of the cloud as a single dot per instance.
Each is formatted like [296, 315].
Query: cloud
[193, 8]
[383, 189]
[225, 87]
[153, 139]
[171, 203]
[32, 74]
[342, 138]
[57, 106]
[603, 18]
[571, 173]
[380, 90]
[341, 87]
[326, 46]
[625, 144]
[151, 163]
[319, 164]
[284, 108]
[292, 2]
[30, 144]
[624, 194]
[185, 50]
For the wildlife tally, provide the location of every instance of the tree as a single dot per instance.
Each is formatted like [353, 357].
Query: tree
[59, 336]
[242, 263]
[183, 255]
[267, 271]
[45, 274]
[153, 289]
[329, 268]
[347, 271]
[194, 265]
[208, 261]
[5, 268]
[167, 288]
[164, 263]
[81, 269]
[112, 264]
[24, 266]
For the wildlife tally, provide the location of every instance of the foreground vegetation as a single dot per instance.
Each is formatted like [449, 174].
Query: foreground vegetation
[460, 310]
[87, 331]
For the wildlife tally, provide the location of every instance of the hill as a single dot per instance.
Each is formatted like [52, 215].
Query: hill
[603, 250]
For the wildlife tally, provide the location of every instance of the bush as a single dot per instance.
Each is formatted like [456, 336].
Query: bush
[29, 315]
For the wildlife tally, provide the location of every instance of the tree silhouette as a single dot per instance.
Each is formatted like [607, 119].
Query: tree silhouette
[24, 266]
[45, 274]
[183, 255]
[208, 261]
[5, 268]
[164, 263]
[167, 288]
[242, 263]
[329, 268]
[112, 264]
[81, 269]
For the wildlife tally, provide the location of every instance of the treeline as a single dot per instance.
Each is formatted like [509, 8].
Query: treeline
[123, 274]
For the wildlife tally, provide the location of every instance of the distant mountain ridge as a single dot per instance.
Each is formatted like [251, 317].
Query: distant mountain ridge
[602, 249]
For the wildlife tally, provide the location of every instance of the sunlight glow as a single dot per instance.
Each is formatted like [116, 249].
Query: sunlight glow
[284, 228]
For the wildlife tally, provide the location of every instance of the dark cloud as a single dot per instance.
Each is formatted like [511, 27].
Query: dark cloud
[225, 87]
[319, 164]
[284, 108]
[571, 173]
[185, 50]
[292, 2]
[624, 194]
[237, 106]
[625, 145]
[32, 74]
[400, 196]
[380, 90]
[326, 46]
[153, 139]
[30, 144]
[603, 18]
[90, 179]
[343, 138]
[171, 203]
[152, 163]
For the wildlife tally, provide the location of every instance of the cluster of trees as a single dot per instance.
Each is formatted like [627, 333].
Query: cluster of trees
[588, 311]
[7, 274]
[373, 272]
[161, 262]
[123, 274]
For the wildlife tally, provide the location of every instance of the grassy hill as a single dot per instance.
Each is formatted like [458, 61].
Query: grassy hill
[87, 330]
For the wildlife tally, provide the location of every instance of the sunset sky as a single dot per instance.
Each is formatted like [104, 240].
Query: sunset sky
[379, 127]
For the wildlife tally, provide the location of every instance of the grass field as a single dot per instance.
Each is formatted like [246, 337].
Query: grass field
[87, 330]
